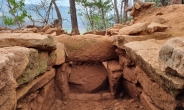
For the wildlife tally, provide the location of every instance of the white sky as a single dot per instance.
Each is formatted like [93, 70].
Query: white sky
[59, 2]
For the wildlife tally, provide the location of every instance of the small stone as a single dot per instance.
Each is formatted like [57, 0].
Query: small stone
[141, 107]
[117, 103]
[116, 108]
[132, 100]
[65, 103]
[136, 106]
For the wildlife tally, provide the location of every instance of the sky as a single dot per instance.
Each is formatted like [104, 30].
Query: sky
[59, 2]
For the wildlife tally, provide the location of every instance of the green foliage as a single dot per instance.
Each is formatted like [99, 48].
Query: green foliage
[96, 13]
[17, 11]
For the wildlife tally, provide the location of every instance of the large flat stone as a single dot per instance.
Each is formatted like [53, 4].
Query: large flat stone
[30, 40]
[133, 29]
[35, 84]
[145, 54]
[88, 47]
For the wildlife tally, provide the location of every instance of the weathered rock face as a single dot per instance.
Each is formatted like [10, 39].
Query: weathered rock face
[132, 89]
[159, 96]
[88, 47]
[145, 54]
[147, 102]
[7, 81]
[171, 56]
[31, 40]
[60, 54]
[114, 74]
[35, 84]
[133, 29]
[61, 79]
[155, 27]
[40, 100]
[88, 77]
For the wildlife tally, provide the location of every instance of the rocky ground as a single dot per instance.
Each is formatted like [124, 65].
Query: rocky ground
[133, 66]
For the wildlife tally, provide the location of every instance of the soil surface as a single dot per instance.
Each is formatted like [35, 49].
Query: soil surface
[111, 104]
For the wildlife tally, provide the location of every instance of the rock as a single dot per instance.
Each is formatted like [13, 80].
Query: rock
[119, 40]
[171, 56]
[159, 97]
[60, 54]
[145, 54]
[114, 74]
[155, 27]
[160, 35]
[124, 59]
[51, 30]
[88, 77]
[7, 81]
[160, 19]
[41, 100]
[118, 26]
[38, 62]
[131, 88]
[45, 28]
[51, 60]
[61, 78]
[30, 40]
[147, 102]
[88, 47]
[35, 84]
[128, 74]
[133, 29]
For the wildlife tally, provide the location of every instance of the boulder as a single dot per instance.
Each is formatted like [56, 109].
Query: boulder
[35, 84]
[171, 56]
[145, 54]
[133, 29]
[114, 74]
[155, 27]
[88, 47]
[60, 54]
[88, 77]
[7, 81]
[30, 40]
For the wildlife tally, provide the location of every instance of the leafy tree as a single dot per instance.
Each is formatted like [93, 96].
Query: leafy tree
[16, 9]
[96, 13]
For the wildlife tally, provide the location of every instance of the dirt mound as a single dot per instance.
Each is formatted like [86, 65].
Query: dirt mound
[172, 16]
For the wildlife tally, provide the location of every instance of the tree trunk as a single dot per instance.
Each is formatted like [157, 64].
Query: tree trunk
[57, 12]
[125, 13]
[163, 2]
[75, 30]
[116, 10]
[121, 12]
[103, 19]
